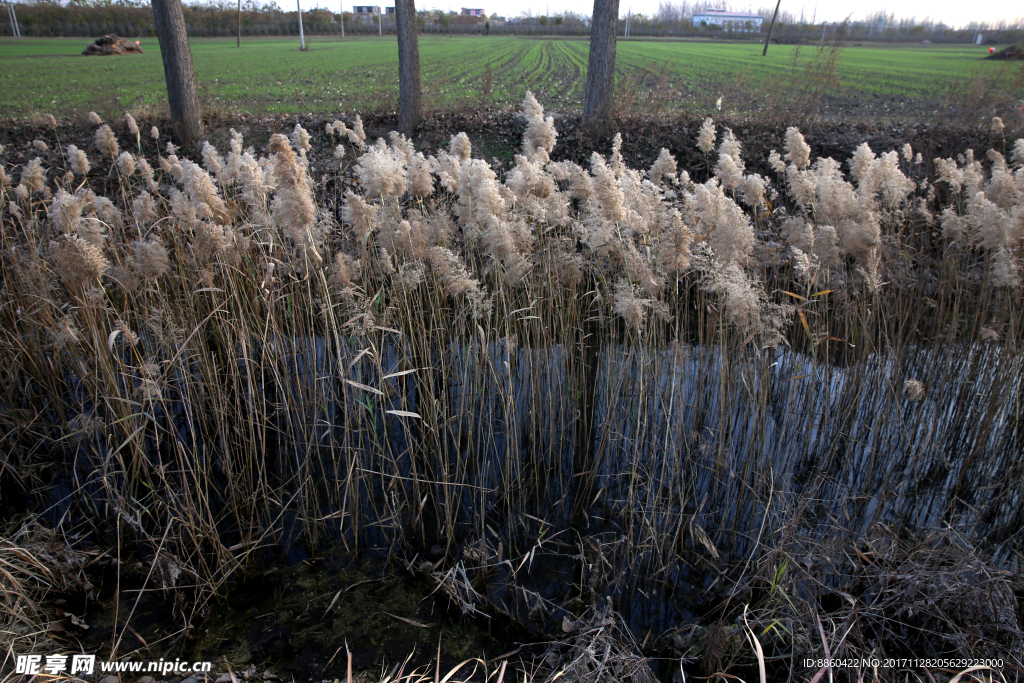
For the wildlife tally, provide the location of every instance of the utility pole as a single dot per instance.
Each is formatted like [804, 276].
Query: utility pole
[380, 27]
[629, 13]
[772, 27]
[343, 20]
[239, 23]
[302, 38]
[15, 31]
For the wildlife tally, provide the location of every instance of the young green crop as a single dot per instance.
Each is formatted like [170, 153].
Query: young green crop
[270, 75]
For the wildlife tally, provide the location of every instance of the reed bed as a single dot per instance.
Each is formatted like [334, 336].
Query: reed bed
[593, 389]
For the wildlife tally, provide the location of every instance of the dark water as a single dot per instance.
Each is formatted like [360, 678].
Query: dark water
[554, 478]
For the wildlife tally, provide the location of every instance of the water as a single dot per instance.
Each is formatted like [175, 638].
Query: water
[563, 475]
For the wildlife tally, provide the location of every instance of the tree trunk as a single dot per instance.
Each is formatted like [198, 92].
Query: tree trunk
[178, 72]
[771, 28]
[408, 67]
[599, 100]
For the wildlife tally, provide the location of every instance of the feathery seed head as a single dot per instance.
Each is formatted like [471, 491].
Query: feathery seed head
[540, 135]
[728, 229]
[344, 270]
[362, 216]
[402, 147]
[77, 159]
[126, 163]
[151, 257]
[381, 171]
[356, 135]
[293, 210]
[201, 190]
[419, 179]
[615, 161]
[146, 171]
[33, 176]
[95, 118]
[108, 212]
[664, 168]
[133, 127]
[731, 146]
[1003, 269]
[1018, 153]
[861, 161]
[460, 147]
[914, 389]
[40, 146]
[106, 142]
[65, 210]
[457, 280]
[607, 192]
[989, 335]
[706, 136]
[798, 152]
[144, 209]
[300, 138]
[627, 305]
[212, 159]
[76, 261]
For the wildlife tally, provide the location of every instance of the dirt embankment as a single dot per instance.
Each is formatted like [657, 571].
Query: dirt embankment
[496, 134]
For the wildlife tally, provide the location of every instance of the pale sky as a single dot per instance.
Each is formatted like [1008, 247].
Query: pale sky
[952, 12]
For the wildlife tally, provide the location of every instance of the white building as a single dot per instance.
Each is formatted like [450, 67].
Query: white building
[738, 21]
[370, 10]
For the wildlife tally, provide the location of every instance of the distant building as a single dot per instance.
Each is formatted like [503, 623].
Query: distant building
[738, 21]
[468, 12]
[370, 11]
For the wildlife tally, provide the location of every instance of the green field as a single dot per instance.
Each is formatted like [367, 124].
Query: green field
[361, 74]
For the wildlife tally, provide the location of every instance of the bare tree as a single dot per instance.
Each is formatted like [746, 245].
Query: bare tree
[408, 66]
[178, 71]
[600, 90]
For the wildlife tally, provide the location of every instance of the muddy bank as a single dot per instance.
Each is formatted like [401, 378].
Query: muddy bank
[495, 134]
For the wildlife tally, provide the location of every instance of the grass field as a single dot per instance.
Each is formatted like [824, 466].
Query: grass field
[361, 74]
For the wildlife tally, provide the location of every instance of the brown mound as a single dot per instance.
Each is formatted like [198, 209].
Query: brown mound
[1013, 53]
[111, 45]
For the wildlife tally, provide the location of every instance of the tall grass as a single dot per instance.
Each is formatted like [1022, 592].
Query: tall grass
[630, 379]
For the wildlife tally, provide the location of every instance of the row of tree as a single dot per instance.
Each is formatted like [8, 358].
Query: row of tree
[183, 98]
[134, 18]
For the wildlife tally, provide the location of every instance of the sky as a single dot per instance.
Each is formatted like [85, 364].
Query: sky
[951, 12]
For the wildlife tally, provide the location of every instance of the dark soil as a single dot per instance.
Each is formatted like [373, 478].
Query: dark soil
[1014, 53]
[496, 136]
